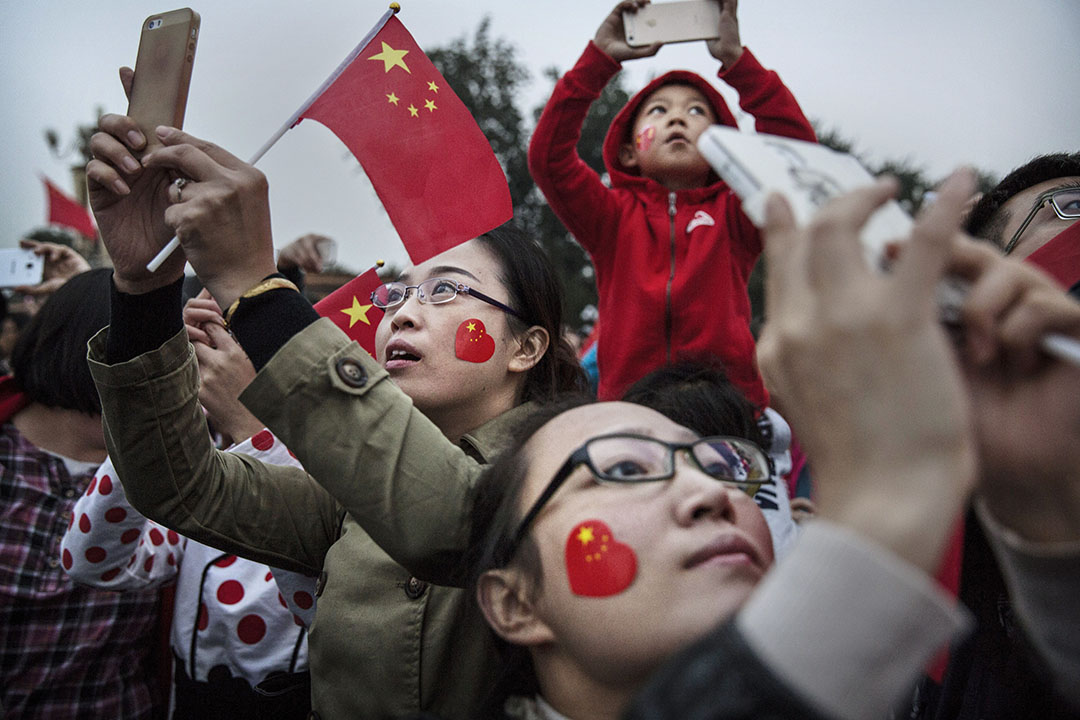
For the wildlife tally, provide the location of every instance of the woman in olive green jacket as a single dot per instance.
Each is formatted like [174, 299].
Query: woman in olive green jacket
[393, 446]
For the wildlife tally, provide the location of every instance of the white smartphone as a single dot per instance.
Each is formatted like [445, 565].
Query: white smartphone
[19, 267]
[807, 174]
[672, 22]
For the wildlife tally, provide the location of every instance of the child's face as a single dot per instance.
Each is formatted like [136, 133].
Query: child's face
[663, 145]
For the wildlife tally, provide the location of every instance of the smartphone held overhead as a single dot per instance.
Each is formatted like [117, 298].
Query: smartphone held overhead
[163, 70]
[672, 22]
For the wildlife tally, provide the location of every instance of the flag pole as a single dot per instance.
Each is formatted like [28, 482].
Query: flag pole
[394, 8]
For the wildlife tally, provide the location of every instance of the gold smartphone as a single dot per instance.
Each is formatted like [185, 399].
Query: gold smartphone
[163, 71]
[672, 22]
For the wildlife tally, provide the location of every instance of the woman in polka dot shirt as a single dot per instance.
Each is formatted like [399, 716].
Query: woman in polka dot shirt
[236, 624]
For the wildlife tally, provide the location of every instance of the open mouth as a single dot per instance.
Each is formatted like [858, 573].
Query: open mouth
[401, 356]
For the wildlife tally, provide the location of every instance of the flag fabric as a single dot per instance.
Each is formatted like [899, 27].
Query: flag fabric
[432, 167]
[1060, 257]
[350, 308]
[65, 210]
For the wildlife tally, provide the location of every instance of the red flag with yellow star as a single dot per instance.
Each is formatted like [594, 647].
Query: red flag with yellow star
[351, 310]
[432, 167]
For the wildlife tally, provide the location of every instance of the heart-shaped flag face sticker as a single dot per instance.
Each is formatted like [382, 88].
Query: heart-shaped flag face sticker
[472, 343]
[597, 564]
[644, 139]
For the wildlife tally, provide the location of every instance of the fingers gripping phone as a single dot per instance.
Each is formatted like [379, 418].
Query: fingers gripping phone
[672, 22]
[163, 71]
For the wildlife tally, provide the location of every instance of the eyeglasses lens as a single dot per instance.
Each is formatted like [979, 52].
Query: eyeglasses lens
[628, 459]
[1067, 203]
[438, 290]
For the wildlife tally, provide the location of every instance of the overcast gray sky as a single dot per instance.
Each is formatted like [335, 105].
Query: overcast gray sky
[943, 82]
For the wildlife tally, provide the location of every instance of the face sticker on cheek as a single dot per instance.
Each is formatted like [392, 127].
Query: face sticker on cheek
[597, 564]
[472, 342]
[644, 139]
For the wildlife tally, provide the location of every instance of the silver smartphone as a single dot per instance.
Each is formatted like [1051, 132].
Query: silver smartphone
[672, 22]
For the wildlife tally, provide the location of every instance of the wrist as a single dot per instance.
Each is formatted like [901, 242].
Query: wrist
[728, 59]
[144, 284]
[227, 290]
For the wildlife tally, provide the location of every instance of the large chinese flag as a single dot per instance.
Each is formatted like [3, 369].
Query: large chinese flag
[351, 310]
[64, 210]
[432, 167]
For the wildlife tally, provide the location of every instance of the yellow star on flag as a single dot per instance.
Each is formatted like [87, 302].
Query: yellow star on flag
[432, 86]
[392, 98]
[357, 312]
[391, 58]
[585, 535]
[470, 327]
[412, 110]
[430, 105]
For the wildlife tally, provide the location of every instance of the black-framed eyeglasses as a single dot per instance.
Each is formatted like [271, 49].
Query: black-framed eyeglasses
[625, 458]
[433, 290]
[1066, 204]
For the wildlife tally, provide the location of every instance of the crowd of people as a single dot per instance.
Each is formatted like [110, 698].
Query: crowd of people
[218, 505]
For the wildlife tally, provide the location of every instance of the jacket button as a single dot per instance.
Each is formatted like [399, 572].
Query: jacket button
[415, 588]
[350, 372]
[320, 584]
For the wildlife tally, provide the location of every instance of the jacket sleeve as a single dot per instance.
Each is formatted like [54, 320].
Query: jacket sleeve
[391, 468]
[158, 441]
[1044, 584]
[573, 189]
[764, 95]
[719, 678]
[110, 545]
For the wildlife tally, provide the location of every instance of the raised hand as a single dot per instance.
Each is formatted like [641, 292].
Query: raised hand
[129, 203]
[611, 35]
[865, 372]
[61, 264]
[728, 47]
[1026, 403]
[221, 215]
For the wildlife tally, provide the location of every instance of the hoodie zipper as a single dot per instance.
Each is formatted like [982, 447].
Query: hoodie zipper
[671, 278]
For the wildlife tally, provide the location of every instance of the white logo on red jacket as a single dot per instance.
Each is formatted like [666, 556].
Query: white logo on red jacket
[700, 218]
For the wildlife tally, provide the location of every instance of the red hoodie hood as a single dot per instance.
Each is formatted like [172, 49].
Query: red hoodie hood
[621, 126]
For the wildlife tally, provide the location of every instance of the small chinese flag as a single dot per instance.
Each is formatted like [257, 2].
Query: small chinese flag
[65, 210]
[432, 167]
[351, 310]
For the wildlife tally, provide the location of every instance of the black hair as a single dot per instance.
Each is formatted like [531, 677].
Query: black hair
[49, 360]
[698, 394]
[987, 219]
[495, 517]
[535, 293]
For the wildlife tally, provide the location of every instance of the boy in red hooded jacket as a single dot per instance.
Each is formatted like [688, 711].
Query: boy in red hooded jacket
[670, 245]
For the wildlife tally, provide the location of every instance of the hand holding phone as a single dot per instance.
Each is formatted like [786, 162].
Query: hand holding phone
[611, 35]
[20, 267]
[163, 71]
